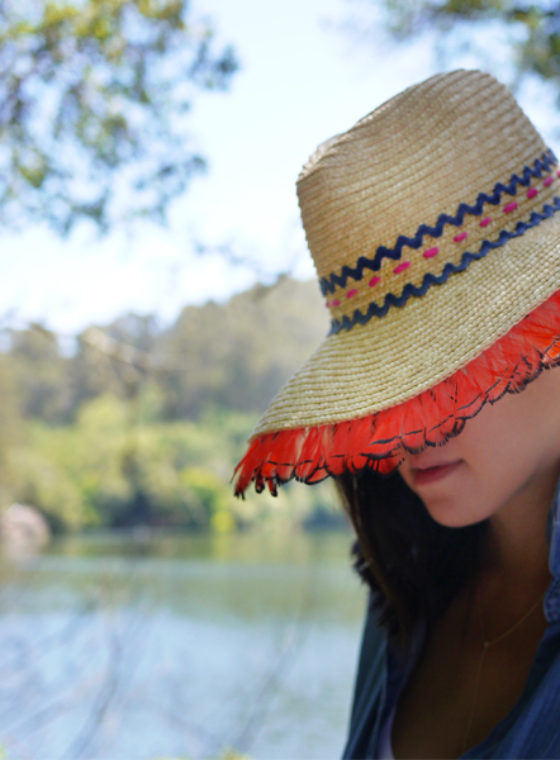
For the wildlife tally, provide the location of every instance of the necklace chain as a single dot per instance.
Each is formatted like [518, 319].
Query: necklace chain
[485, 647]
[516, 625]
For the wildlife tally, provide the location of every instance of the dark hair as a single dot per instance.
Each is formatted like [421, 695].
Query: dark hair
[413, 565]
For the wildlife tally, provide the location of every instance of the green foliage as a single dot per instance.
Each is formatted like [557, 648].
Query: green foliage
[228, 356]
[11, 428]
[106, 471]
[39, 371]
[216, 356]
[42, 480]
[142, 426]
[95, 95]
[10, 409]
[533, 28]
[103, 415]
[151, 403]
[207, 492]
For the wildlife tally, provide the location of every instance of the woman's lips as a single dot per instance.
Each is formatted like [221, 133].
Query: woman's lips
[425, 475]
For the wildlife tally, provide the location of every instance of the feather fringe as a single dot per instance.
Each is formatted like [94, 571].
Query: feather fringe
[429, 419]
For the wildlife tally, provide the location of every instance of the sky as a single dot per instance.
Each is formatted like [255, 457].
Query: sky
[299, 82]
[302, 78]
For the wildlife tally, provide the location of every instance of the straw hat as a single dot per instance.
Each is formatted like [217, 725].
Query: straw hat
[434, 230]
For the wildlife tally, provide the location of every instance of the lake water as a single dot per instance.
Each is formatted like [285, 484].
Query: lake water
[170, 646]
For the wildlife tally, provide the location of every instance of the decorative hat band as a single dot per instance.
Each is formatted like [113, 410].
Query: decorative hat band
[392, 275]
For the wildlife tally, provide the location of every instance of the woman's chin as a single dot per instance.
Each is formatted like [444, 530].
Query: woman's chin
[452, 512]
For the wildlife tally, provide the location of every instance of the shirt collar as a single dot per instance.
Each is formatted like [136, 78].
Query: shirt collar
[552, 598]
[553, 534]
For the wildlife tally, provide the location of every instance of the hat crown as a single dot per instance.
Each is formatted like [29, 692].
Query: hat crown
[421, 154]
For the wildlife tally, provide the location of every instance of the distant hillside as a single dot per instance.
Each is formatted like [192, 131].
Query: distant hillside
[234, 355]
[144, 425]
[239, 354]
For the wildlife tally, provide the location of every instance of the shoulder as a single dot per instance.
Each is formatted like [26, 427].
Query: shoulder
[373, 649]
[543, 700]
[533, 727]
[369, 688]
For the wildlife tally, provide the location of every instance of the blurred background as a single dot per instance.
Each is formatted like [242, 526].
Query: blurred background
[156, 293]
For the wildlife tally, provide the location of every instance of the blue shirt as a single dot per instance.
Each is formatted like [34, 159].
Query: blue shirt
[530, 730]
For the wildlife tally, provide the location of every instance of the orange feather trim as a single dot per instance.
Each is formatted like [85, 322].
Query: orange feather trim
[428, 419]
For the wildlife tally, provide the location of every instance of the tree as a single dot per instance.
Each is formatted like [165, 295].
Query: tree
[215, 356]
[227, 355]
[94, 103]
[532, 30]
[40, 373]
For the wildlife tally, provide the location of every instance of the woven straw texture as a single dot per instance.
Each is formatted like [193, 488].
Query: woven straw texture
[424, 153]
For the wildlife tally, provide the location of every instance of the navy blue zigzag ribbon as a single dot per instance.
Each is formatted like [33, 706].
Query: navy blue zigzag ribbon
[375, 310]
[329, 283]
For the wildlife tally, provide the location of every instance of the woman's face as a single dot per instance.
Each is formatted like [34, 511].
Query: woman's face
[509, 451]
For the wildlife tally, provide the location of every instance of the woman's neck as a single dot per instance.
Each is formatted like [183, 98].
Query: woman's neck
[517, 568]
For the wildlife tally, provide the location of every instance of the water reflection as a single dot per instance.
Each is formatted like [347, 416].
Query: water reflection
[120, 646]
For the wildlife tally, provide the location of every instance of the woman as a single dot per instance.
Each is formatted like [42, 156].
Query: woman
[434, 228]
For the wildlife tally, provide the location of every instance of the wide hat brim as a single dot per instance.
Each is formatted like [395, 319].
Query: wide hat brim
[371, 422]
